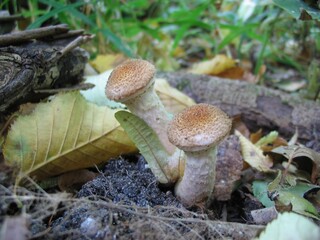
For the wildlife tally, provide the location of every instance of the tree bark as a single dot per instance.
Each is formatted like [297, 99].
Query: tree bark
[260, 107]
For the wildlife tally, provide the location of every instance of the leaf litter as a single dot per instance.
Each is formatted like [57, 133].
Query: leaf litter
[100, 211]
[98, 216]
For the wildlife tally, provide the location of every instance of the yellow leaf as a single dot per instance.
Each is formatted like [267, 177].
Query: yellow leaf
[106, 62]
[173, 100]
[215, 66]
[65, 134]
[253, 155]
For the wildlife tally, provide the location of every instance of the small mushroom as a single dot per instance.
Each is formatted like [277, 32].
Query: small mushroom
[132, 83]
[197, 131]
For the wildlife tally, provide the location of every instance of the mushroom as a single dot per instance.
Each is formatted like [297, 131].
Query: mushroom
[197, 131]
[132, 83]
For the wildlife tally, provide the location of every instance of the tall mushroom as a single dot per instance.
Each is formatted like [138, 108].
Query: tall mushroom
[132, 83]
[197, 131]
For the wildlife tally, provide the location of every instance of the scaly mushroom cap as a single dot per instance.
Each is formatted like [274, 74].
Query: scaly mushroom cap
[198, 127]
[130, 79]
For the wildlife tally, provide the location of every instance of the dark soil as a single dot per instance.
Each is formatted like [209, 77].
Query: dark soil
[131, 185]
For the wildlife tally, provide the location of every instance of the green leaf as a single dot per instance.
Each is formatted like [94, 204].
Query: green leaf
[299, 204]
[260, 192]
[147, 142]
[297, 188]
[292, 185]
[286, 195]
[271, 137]
[299, 9]
[290, 226]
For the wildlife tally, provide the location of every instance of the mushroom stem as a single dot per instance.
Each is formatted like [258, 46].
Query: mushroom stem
[197, 183]
[148, 107]
[197, 131]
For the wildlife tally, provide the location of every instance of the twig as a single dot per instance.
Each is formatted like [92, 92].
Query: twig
[23, 36]
[75, 43]
[11, 18]
[72, 33]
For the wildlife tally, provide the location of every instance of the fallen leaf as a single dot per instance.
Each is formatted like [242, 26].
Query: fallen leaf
[290, 226]
[288, 195]
[254, 155]
[294, 139]
[106, 62]
[260, 189]
[97, 94]
[304, 15]
[300, 155]
[254, 137]
[65, 134]
[268, 139]
[215, 66]
[297, 204]
[173, 100]
[268, 142]
[291, 86]
[239, 125]
[148, 143]
[235, 72]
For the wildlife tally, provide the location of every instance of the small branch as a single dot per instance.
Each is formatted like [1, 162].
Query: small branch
[76, 43]
[23, 36]
[11, 18]
[72, 33]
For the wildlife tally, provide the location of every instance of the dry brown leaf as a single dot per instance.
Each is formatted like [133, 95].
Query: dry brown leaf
[300, 155]
[255, 137]
[235, 72]
[240, 126]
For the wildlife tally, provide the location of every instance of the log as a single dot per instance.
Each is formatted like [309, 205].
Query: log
[259, 106]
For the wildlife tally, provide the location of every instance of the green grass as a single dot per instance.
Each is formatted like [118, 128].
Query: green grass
[158, 30]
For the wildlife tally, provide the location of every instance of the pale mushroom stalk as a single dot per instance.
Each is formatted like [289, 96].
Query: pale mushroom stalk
[197, 183]
[132, 83]
[148, 107]
[197, 131]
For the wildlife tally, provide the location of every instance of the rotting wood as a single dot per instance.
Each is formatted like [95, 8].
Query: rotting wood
[259, 106]
[36, 65]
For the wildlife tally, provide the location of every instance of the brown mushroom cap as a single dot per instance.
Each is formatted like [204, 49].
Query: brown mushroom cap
[130, 79]
[198, 127]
